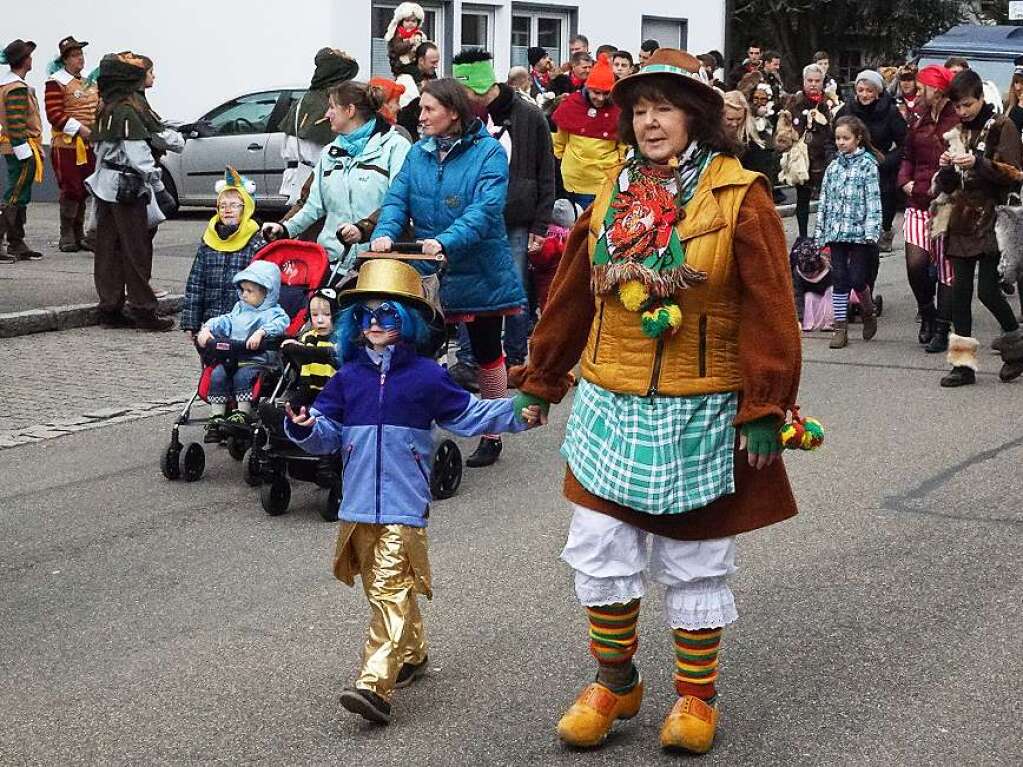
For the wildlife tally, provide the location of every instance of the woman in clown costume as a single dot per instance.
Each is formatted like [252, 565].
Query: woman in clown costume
[675, 294]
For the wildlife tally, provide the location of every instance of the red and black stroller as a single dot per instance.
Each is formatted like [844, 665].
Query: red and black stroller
[304, 268]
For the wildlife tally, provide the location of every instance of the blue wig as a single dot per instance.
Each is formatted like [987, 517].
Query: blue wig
[414, 330]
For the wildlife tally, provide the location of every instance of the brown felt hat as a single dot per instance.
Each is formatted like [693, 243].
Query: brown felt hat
[17, 50]
[681, 66]
[68, 44]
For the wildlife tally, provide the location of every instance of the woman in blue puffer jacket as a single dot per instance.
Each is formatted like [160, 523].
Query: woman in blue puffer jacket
[453, 187]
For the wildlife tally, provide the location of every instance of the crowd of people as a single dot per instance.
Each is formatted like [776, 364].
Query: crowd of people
[614, 213]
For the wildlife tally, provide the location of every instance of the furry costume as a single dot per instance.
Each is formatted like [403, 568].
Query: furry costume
[1009, 233]
[402, 43]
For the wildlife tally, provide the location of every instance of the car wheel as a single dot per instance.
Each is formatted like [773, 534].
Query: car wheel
[168, 182]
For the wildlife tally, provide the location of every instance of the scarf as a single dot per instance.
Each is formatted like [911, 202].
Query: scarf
[355, 142]
[639, 251]
[407, 34]
[814, 98]
[576, 115]
[445, 143]
[542, 80]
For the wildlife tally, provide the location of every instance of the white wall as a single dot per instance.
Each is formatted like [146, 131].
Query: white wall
[206, 51]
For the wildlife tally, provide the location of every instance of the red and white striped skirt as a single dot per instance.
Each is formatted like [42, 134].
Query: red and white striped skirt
[916, 231]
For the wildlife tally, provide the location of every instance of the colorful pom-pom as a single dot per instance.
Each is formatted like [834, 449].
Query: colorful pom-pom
[633, 295]
[661, 317]
[801, 433]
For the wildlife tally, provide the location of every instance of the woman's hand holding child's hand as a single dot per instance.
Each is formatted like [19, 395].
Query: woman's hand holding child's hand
[533, 416]
[255, 340]
[301, 418]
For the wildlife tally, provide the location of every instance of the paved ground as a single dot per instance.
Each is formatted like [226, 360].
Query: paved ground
[150, 622]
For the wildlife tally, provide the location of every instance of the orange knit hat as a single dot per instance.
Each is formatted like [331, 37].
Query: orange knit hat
[391, 89]
[602, 77]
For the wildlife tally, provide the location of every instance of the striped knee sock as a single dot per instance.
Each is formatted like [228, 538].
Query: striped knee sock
[696, 662]
[840, 301]
[493, 381]
[613, 642]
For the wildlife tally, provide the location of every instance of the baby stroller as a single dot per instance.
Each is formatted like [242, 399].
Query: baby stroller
[273, 460]
[304, 267]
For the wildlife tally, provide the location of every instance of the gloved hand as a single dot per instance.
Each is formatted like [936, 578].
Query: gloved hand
[760, 440]
[273, 231]
[522, 401]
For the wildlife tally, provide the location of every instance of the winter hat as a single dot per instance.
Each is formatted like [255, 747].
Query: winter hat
[330, 296]
[872, 77]
[602, 76]
[535, 54]
[478, 76]
[332, 66]
[564, 213]
[934, 76]
[233, 182]
[402, 12]
[391, 89]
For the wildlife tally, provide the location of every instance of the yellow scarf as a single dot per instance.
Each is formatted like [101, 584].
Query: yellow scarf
[240, 237]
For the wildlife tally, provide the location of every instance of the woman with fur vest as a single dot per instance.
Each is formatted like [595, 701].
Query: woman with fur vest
[976, 177]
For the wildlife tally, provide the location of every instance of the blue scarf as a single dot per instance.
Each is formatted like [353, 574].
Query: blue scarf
[355, 142]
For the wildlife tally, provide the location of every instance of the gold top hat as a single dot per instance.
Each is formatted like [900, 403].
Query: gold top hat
[386, 278]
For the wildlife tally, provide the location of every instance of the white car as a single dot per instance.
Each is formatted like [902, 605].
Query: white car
[242, 133]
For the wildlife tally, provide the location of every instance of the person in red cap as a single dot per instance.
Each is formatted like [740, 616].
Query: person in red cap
[586, 141]
[392, 93]
[71, 102]
[932, 117]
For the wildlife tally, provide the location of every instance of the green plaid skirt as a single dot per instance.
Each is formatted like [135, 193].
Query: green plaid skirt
[657, 455]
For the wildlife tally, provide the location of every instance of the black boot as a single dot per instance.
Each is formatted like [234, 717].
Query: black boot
[939, 340]
[927, 325]
[16, 216]
[959, 376]
[410, 672]
[366, 704]
[4, 258]
[486, 453]
[1012, 355]
[152, 321]
[115, 319]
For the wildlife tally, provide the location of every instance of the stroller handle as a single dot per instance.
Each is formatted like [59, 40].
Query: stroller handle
[408, 250]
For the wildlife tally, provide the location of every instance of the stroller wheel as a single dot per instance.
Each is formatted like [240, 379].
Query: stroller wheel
[170, 462]
[275, 496]
[251, 469]
[447, 470]
[194, 462]
[236, 447]
[332, 503]
[878, 305]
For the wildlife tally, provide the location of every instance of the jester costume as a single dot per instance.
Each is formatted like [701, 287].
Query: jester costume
[674, 291]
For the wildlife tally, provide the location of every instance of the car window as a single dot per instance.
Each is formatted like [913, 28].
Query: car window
[248, 114]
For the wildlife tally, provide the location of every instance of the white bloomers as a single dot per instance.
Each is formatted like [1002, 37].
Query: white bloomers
[609, 558]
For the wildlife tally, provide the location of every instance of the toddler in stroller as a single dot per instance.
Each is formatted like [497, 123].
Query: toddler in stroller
[301, 267]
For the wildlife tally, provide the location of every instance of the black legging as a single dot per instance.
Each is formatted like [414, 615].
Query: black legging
[485, 339]
[803, 195]
[921, 280]
[889, 197]
[988, 292]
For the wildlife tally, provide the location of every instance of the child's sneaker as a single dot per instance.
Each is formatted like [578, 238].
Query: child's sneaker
[238, 418]
[366, 704]
[410, 672]
[212, 435]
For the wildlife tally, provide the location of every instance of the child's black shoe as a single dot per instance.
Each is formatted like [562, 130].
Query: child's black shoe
[366, 704]
[486, 453]
[213, 435]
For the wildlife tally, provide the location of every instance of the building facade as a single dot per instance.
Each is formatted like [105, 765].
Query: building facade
[208, 52]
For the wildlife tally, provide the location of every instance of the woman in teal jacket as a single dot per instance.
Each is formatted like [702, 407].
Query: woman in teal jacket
[454, 187]
[352, 175]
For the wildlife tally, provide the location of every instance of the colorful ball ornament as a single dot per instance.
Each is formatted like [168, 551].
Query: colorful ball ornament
[633, 295]
[801, 433]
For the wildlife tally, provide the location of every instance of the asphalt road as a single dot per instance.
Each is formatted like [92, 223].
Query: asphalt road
[148, 622]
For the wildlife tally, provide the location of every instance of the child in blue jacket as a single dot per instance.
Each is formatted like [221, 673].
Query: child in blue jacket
[849, 222]
[254, 319]
[378, 411]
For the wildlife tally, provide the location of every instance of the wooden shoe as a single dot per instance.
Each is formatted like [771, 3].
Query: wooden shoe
[588, 721]
[690, 726]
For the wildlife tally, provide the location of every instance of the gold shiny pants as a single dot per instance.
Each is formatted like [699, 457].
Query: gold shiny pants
[392, 562]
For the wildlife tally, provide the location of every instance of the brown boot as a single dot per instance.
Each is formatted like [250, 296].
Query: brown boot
[67, 242]
[4, 258]
[869, 314]
[84, 239]
[840, 337]
[14, 216]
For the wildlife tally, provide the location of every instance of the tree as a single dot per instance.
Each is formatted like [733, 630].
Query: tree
[882, 29]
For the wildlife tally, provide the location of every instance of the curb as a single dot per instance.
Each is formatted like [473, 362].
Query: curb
[50, 318]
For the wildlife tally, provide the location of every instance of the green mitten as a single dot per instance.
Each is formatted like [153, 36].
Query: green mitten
[523, 400]
[762, 436]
